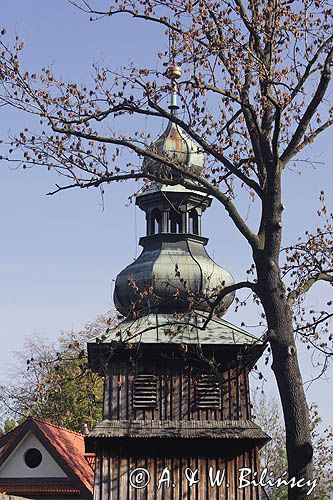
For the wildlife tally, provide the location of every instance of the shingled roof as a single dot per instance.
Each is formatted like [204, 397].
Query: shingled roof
[226, 429]
[66, 448]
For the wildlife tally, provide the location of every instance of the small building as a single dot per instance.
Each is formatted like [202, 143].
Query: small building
[39, 460]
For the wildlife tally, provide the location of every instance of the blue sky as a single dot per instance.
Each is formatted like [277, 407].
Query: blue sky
[59, 255]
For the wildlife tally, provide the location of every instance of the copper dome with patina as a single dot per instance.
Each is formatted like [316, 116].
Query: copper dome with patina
[178, 147]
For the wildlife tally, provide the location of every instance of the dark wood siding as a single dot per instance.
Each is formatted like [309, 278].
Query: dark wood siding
[176, 394]
[112, 479]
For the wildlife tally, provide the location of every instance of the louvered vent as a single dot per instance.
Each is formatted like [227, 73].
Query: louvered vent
[208, 392]
[145, 391]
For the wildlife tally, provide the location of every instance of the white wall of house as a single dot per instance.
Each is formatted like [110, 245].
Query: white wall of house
[15, 465]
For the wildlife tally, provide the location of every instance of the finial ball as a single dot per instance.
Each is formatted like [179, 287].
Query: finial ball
[173, 72]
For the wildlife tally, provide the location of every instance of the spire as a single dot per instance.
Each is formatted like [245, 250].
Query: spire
[173, 72]
[174, 143]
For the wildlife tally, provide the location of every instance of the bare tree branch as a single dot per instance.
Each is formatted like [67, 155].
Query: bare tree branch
[306, 285]
[324, 81]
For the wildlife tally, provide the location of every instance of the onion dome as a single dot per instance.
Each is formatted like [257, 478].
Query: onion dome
[175, 145]
[173, 274]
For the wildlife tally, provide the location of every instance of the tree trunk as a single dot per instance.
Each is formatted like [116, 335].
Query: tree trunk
[285, 365]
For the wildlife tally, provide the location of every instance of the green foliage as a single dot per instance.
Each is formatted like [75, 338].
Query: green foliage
[53, 382]
[274, 457]
[8, 425]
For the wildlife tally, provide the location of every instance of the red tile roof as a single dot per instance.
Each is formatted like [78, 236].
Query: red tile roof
[70, 446]
[6, 441]
[38, 487]
[66, 447]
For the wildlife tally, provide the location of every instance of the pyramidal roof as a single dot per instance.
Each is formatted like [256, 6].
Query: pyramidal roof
[178, 329]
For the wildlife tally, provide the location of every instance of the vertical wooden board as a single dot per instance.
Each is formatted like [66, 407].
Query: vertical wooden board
[180, 394]
[180, 475]
[246, 401]
[122, 391]
[218, 467]
[256, 462]
[184, 486]
[106, 398]
[254, 490]
[196, 487]
[97, 477]
[189, 385]
[192, 405]
[250, 462]
[174, 395]
[205, 489]
[132, 464]
[156, 477]
[114, 394]
[233, 394]
[215, 491]
[223, 493]
[115, 466]
[149, 465]
[247, 394]
[247, 492]
[160, 397]
[168, 462]
[225, 390]
[159, 469]
[166, 489]
[197, 490]
[220, 411]
[119, 390]
[241, 395]
[112, 493]
[184, 396]
[237, 398]
[128, 392]
[165, 396]
[230, 480]
[236, 475]
[124, 491]
[175, 478]
[105, 483]
[192, 489]
[226, 491]
[117, 470]
[111, 396]
[171, 393]
[141, 493]
[244, 493]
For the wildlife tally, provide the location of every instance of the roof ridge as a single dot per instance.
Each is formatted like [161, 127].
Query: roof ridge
[57, 426]
[8, 433]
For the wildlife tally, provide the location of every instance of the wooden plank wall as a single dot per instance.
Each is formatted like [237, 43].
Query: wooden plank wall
[176, 394]
[112, 479]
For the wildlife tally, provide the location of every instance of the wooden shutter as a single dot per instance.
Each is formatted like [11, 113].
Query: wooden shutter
[145, 391]
[208, 392]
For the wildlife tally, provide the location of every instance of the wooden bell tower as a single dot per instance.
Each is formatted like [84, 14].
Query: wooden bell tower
[177, 413]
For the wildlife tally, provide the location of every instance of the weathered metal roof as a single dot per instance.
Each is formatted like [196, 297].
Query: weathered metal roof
[177, 329]
[172, 271]
[218, 429]
[177, 146]
[159, 187]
